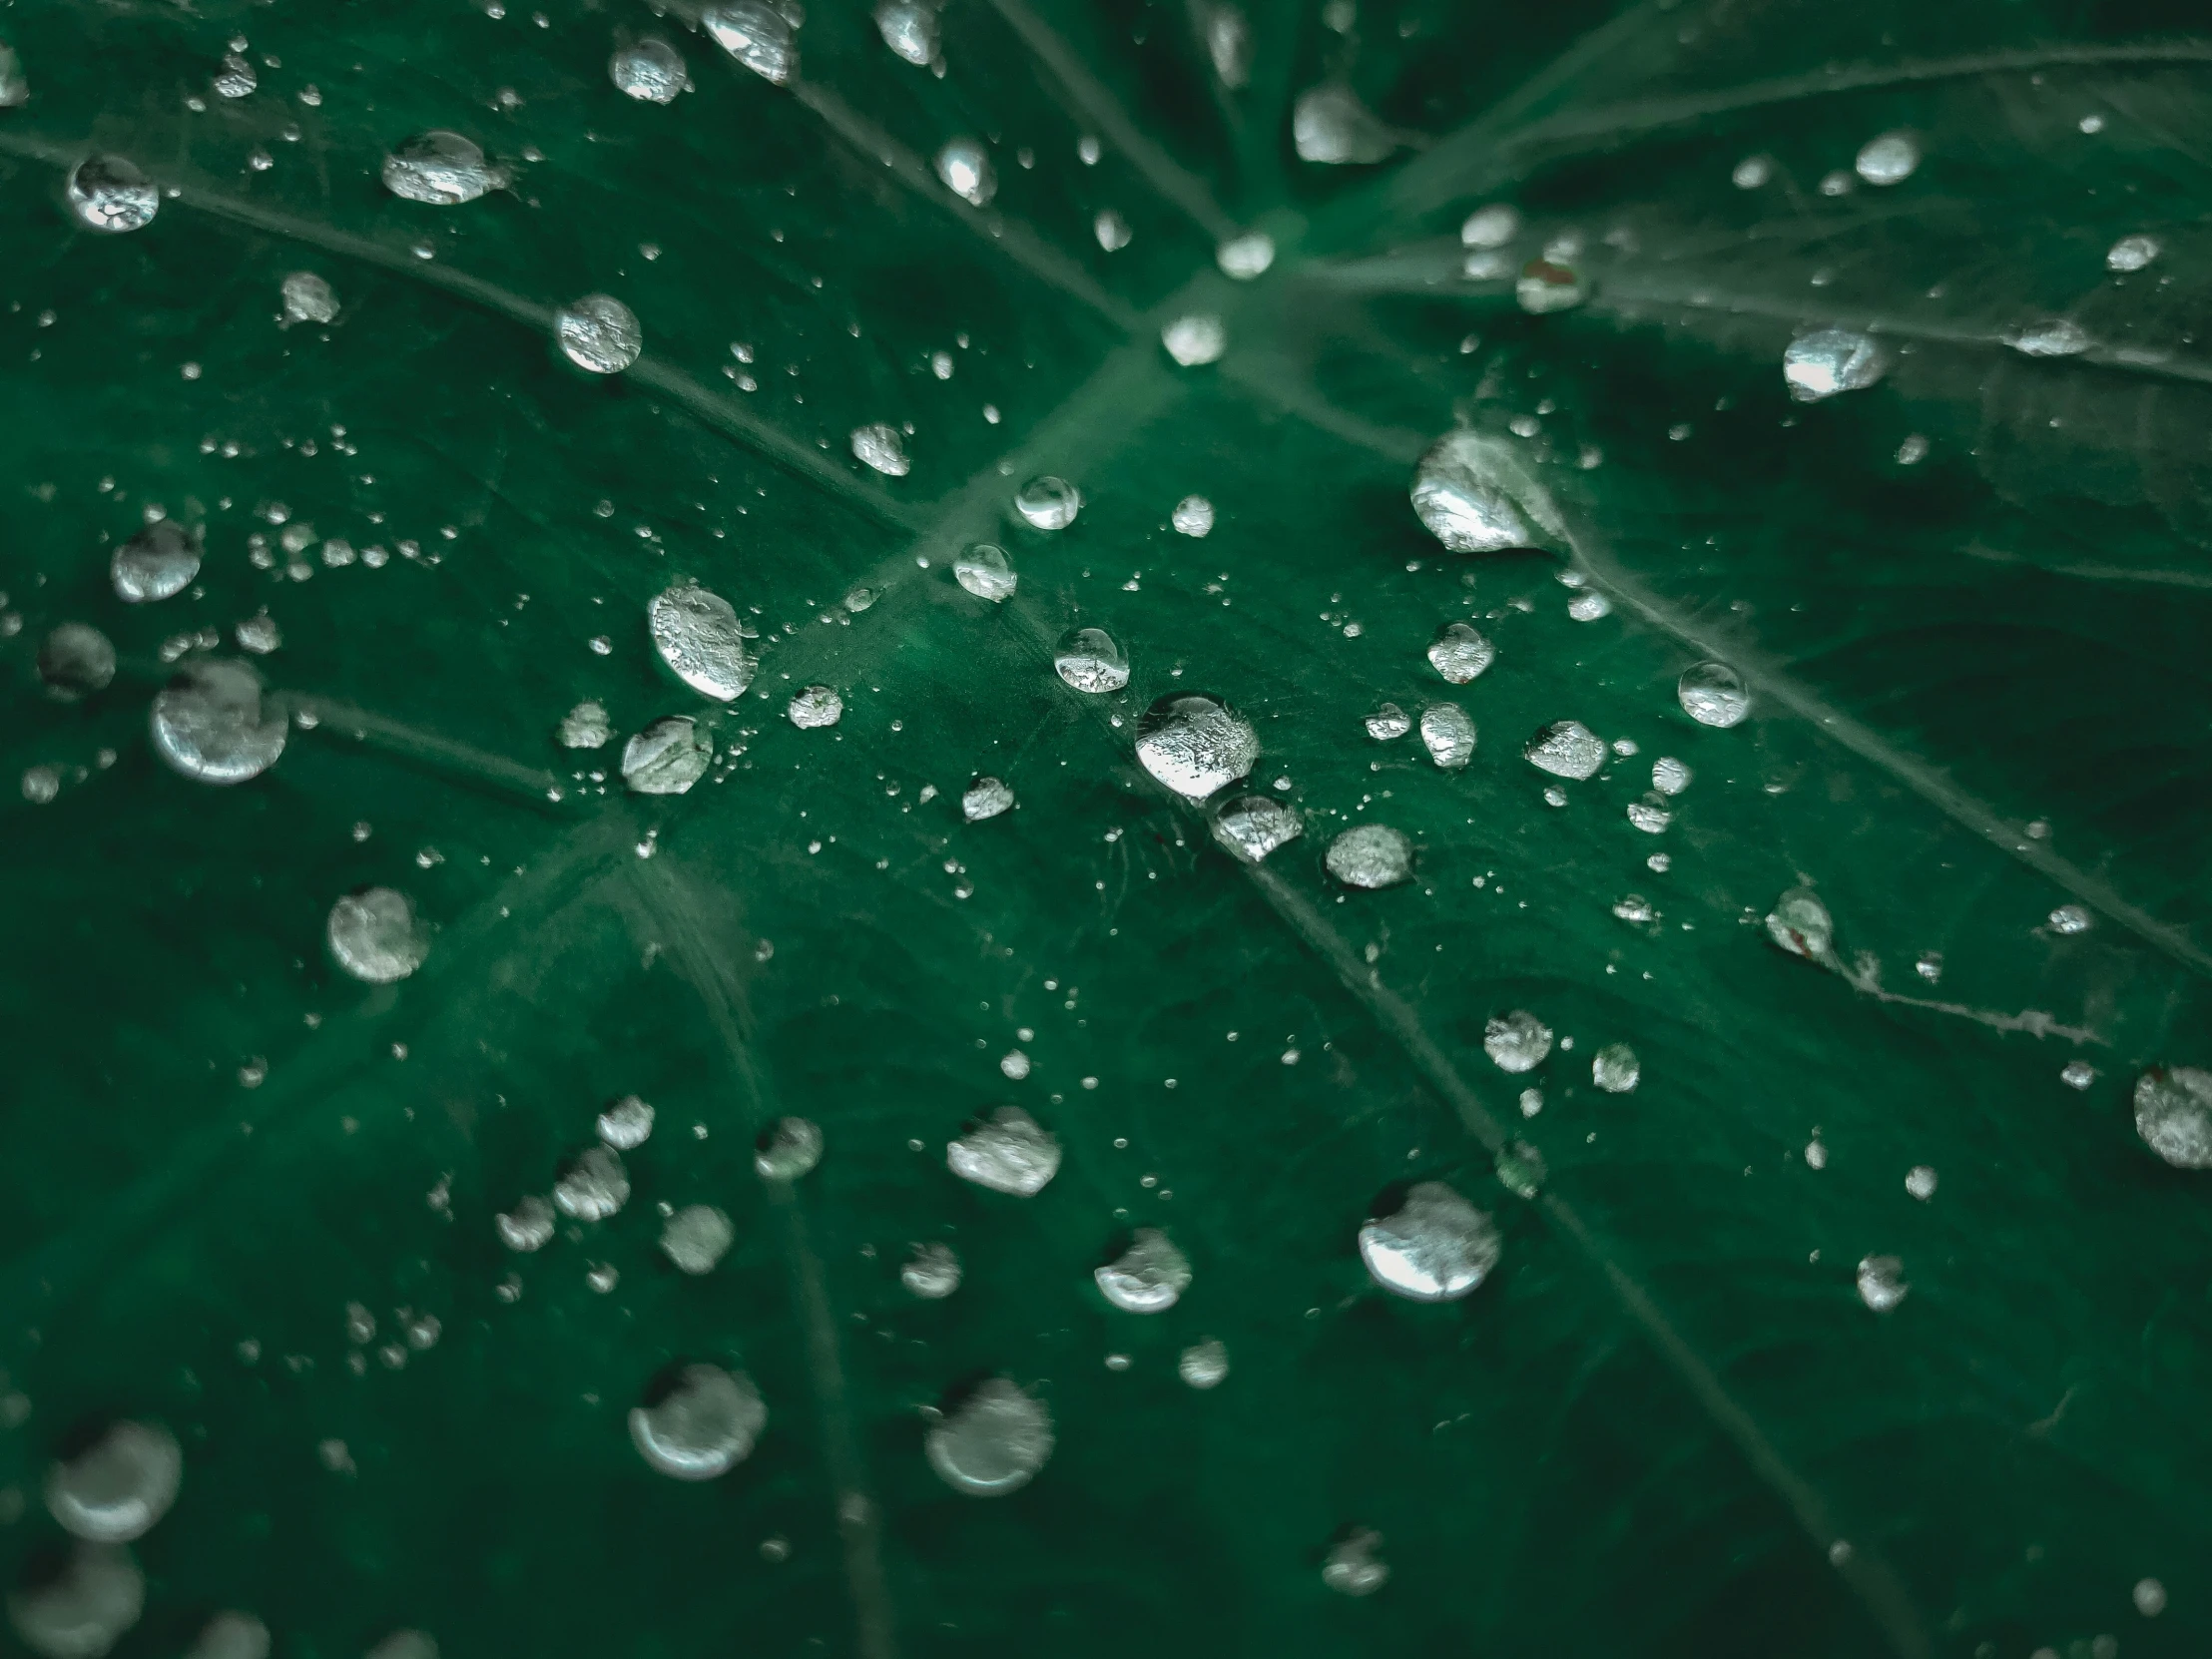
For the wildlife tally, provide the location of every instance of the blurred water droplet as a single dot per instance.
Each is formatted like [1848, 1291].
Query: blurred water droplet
[527, 1226]
[1111, 230]
[231, 1636]
[1008, 1152]
[993, 1442]
[1920, 1181]
[1589, 606]
[649, 69]
[1517, 1041]
[212, 723]
[985, 798]
[881, 447]
[1712, 694]
[1669, 775]
[788, 1149]
[1566, 748]
[1227, 44]
[1330, 126]
[2173, 1114]
[697, 1237]
[1436, 1246]
[1520, 1169]
[965, 167]
[1889, 158]
[75, 661]
[83, 1609]
[1048, 503]
[235, 76]
[308, 297]
[1090, 661]
[2057, 338]
[598, 333]
[376, 936]
[1816, 1155]
[1882, 1283]
[815, 707]
[666, 758]
[931, 1272]
[1242, 258]
[1800, 925]
[908, 29]
[2069, 918]
[1912, 450]
[1353, 1568]
[594, 1186]
[2078, 1074]
[108, 192]
[1447, 733]
[627, 1124]
[1460, 654]
[585, 727]
[1547, 285]
[1490, 227]
[1389, 722]
[1195, 339]
[1253, 825]
[118, 1487]
[756, 34]
[1193, 743]
[441, 170]
[1371, 855]
[1194, 516]
[1615, 1068]
[1825, 361]
[1149, 1276]
[2151, 1597]
[2131, 253]
[1205, 1364]
[703, 1426]
[1474, 495]
[699, 637]
[1751, 172]
[259, 634]
[156, 563]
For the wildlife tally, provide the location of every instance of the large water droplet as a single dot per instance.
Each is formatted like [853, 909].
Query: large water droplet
[231, 1636]
[985, 572]
[2173, 1114]
[1008, 1152]
[1566, 748]
[1195, 339]
[307, 296]
[1517, 1041]
[595, 1186]
[1353, 1568]
[75, 661]
[1330, 126]
[698, 635]
[441, 170]
[1048, 503]
[2131, 253]
[1369, 856]
[1889, 158]
[1090, 661]
[1800, 925]
[993, 1442]
[1149, 1277]
[1194, 745]
[108, 192]
[1242, 258]
[1490, 227]
[2057, 338]
[212, 723]
[119, 1487]
[1460, 654]
[697, 1237]
[931, 1272]
[1712, 694]
[666, 758]
[649, 69]
[985, 798]
[1193, 516]
[1447, 732]
[1253, 825]
[156, 563]
[375, 935]
[627, 1124]
[1205, 1364]
[83, 1609]
[1547, 285]
[908, 29]
[527, 1226]
[787, 1149]
[1615, 1068]
[1475, 496]
[1823, 362]
[757, 35]
[883, 447]
[704, 1425]
[1882, 1283]
[965, 167]
[815, 707]
[598, 333]
[1436, 1246]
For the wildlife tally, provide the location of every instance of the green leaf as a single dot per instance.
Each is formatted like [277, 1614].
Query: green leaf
[258, 1200]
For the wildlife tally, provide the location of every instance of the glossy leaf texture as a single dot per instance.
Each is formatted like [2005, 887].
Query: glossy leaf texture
[254, 1198]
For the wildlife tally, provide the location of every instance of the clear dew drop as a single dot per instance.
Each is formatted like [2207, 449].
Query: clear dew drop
[1090, 661]
[441, 170]
[110, 194]
[985, 798]
[1490, 227]
[1354, 1566]
[1474, 495]
[307, 296]
[1205, 1364]
[697, 1238]
[1615, 1068]
[2131, 253]
[1460, 653]
[1111, 230]
[698, 635]
[236, 77]
[1545, 285]
[1253, 825]
[1195, 339]
[931, 1272]
[992, 1443]
[377, 937]
[1669, 775]
[594, 1186]
[2068, 920]
[1566, 748]
[1048, 503]
[76, 660]
[1436, 1246]
[648, 68]
[883, 447]
[119, 1486]
[1008, 1152]
[757, 35]
[527, 1226]
[598, 333]
[2078, 1074]
[1389, 722]
[585, 727]
[1712, 694]
[1822, 362]
[965, 167]
[1149, 1277]
[627, 1124]
[212, 724]
[1331, 127]
[1244, 257]
[788, 1150]
[2055, 337]
[83, 1609]
[1194, 743]
[1371, 855]
[1882, 1283]
[1890, 159]
[908, 29]
[2173, 1114]
[231, 1636]
[666, 758]
[1517, 1041]
[158, 563]
[705, 1425]
[1920, 1181]
[815, 707]
[1447, 732]
[1193, 516]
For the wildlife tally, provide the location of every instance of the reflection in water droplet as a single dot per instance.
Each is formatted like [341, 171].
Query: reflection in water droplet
[156, 563]
[527, 1226]
[1882, 1283]
[2131, 253]
[1353, 1568]
[1253, 825]
[931, 1272]
[84, 1608]
[1547, 285]
[1472, 495]
[211, 723]
[1800, 925]
[75, 661]
[1205, 1364]
[1516, 1041]
[1194, 743]
[598, 334]
[1242, 258]
[1191, 341]
[1111, 230]
[1048, 503]
[1566, 748]
[1669, 775]
[375, 935]
[231, 1636]
[1490, 227]
[1615, 1068]
[1887, 160]
[118, 1487]
[585, 727]
[1090, 661]
[699, 637]
[2057, 337]
[1329, 124]
[1371, 855]
[1194, 516]
[308, 297]
[627, 1124]
[757, 35]
[1460, 654]
[993, 1442]
[815, 707]
[1008, 1152]
[965, 167]
[697, 1237]
[908, 29]
[881, 447]
[1389, 722]
[1447, 732]
[107, 192]
[1712, 694]
[649, 69]
[985, 798]
[1436, 1246]
[703, 1426]
[787, 1149]
[594, 1186]
[1149, 1278]
[985, 571]
[2069, 918]
[666, 758]
[2173, 1114]
[441, 170]
[1825, 361]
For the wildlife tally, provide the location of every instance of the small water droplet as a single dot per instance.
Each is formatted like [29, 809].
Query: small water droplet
[585, 727]
[1330, 126]
[527, 1226]
[1149, 1276]
[1920, 1181]
[697, 1237]
[1615, 1068]
[627, 1124]
[1111, 230]
[1389, 722]
[908, 29]
[985, 798]
[2173, 1114]
[441, 170]
[1712, 694]
[649, 69]
[1253, 825]
[1195, 339]
[1460, 653]
[2131, 253]
[666, 758]
[2078, 1074]
[756, 34]
[1669, 775]
[881, 447]
[1008, 1152]
[1882, 1283]
[1244, 257]
[598, 333]
[1371, 855]
[1490, 227]
[1822, 362]
[1547, 285]
[1566, 748]
[1090, 661]
[1194, 516]
[1912, 450]
[375, 935]
[2069, 918]
[1520, 1169]
[1887, 160]
[1650, 815]
[235, 76]
[595, 1186]
[1447, 732]
[156, 563]
[308, 296]
[1353, 1568]
[788, 1150]
[1751, 172]
[1192, 743]
[108, 192]
[993, 1442]
[1517, 1041]
[1436, 1247]
[704, 1425]
[1227, 44]
[965, 167]
[1800, 924]
[700, 638]
[2151, 1597]
[2055, 337]
[1816, 1154]
[259, 634]
[986, 572]
[118, 1487]
[815, 707]
[211, 723]
[75, 661]
[1589, 606]
[1205, 1364]
[84, 1607]
[931, 1272]
[1474, 495]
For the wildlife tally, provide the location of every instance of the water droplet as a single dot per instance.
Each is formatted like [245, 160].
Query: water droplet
[1887, 160]
[1517, 1041]
[375, 935]
[598, 333]
[1920, 1181]
[2131, 253]
[649, 69]
[965, 167]
[1825, 361]
[259, 634]
[1589, 606]
[1669, 775]
[1194, 516]
[1475, 496]
[1816, 1155]
[400, 1644]
[1882, 1283]
[1389, 722]
[1227, 44]
[698, 635]
[1008, 1152]
[2151, 1597]
[1205, 1364]
[1566, 748]
[2173, 1114]
[1353, 1568]
[75, 661]
[1195, 339]
[1712, 694]
[1800, 925]
[211, 723]
[84, 1608]
[231, 1636]
[908, 29]
[1436, 1246]
[787, 1149]
[1912, 450]
[1090, 661]
[757, 35]
[527, 1226]
[1650, 815]
[1048, 503]
[2057, 338]
[308, 297]
[156, 563]
[666, 758]
[881, 447]
[931, 1272]
[1329, 124]
[1615, 1068]
[815, 707]
[1371, 855]
[702, 1426]
[985, 798]
[2078, 1074]
[1520, 1169]
[1253, 825]
[1490, 227]
[627, 1124]
[595, 1186]
[120, 1485]
[1448, 735]
[1149, 1278]
[1547, 285]
[992, 1443]
[985, 571]
[441, 170]
[235, 76]
[2069, 918]
[107, 192]
[1242, 258]
[697, 1237]
[1460, 654]
[1751, 172]
[1111, 230]
[1192, 743]
[585, 727]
